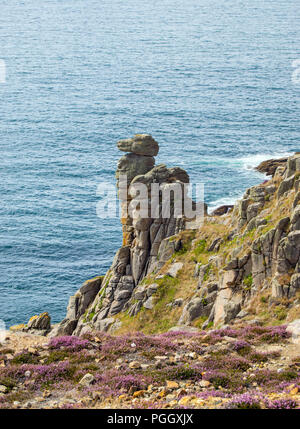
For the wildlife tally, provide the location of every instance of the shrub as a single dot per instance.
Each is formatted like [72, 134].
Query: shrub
[68, 342]
[244, 401]
[287, 404]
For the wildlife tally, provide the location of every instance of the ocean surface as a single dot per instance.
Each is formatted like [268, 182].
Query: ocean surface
[210, 80]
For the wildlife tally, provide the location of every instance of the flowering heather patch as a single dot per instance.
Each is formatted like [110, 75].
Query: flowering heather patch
[165, 367]
[112, 383]
[217, 378]
[241, 345]
[287, 404]
[179, 372]
[41, 374]
[228, 362]
[244, 401]
[155, 344]
[181, 334]
[68, 342]
[269, 334]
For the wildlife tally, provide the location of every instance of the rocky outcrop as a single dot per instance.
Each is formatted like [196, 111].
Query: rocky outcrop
[270, 166]
[78, 304]
[40, 324]
[220, 211]
[269, 261]
[146, 247]
[216, 273]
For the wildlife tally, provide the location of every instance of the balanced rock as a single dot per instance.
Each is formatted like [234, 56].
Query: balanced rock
[140, 144]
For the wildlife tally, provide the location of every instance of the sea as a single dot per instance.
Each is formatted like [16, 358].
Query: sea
[215, 82]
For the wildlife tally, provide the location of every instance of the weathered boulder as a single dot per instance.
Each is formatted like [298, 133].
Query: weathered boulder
[285, 186]
[40, 322]
[294, 329]
[220, 211]
[140, 144]
[132, 165]
[196, 307]
[270, 166]
[174, 269]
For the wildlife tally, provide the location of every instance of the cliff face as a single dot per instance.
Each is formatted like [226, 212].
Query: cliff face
[244, 264]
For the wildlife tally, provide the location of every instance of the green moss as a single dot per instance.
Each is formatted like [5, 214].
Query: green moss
[200, 247]
[280, 312]
[206, 275]
[199, 322]
[248, 281]
[209, 325]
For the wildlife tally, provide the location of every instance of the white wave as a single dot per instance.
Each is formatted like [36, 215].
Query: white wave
[222, 202]
[249, 162]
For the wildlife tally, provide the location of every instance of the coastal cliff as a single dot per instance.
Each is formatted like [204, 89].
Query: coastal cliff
[242, 263]
[187, 316]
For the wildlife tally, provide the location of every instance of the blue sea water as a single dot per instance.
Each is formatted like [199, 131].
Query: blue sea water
[210, 80]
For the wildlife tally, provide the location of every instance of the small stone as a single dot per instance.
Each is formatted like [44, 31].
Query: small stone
[172, 385]
[139, 393]
[3, 389]
[181, 392]
[27, 374]
[87, 379]
[163, 393]
[185, 400]
[145, 366]
[96, 396]
[161, 357]
[132, 389]
[135, 365]
[204, 383]
[174, 269]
